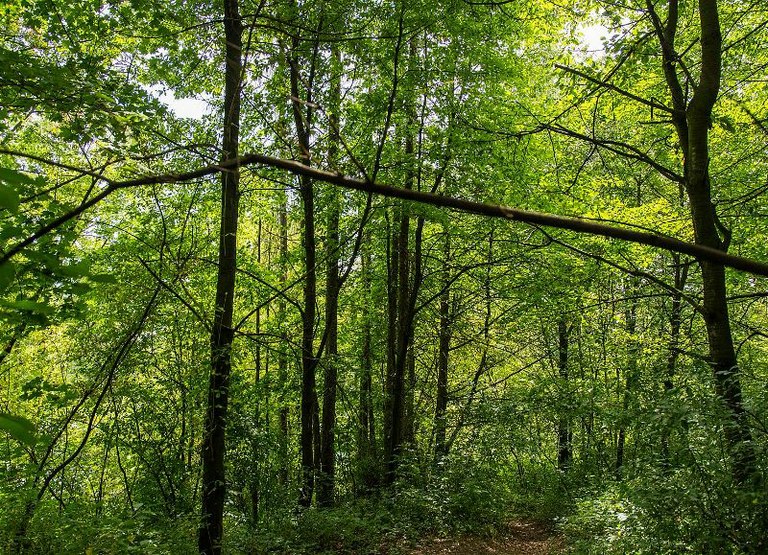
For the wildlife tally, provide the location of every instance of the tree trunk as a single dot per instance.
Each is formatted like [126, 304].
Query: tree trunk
[326, 483]
[404, 298]
[630, 318]
[366, 438]
[308, 363]
[564, 433]
[327, 451]
[692, 123]
[393, 275]
[214, 483]
[309, 409]
[254, 487]
[444, 344]
[282, 355]
[675, 321]
[409, 425]
[396, 389]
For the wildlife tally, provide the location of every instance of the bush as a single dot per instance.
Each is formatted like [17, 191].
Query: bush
[669, 514]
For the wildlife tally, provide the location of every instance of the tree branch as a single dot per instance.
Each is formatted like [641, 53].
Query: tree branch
[612, 87]
[570, 223]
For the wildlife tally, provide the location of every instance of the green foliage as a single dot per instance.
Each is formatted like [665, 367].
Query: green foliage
[82, 528]
[18, 427]
[450, 503]
[669, 513]
[456, 97]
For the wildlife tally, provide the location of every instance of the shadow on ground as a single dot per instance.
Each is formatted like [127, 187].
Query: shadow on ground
[522, 537]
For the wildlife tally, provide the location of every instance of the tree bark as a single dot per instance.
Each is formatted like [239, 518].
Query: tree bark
[564, 433]
[404, 297]
[692, 123]
[675, 321]
[444, 344]
[254, 485]
[630, 378]
[308, 362]
[326, 484]
[409, 409]
[397, 377]
[310, 442]
[366, 437]
[282, 355]
[214, 480]
[370, 186]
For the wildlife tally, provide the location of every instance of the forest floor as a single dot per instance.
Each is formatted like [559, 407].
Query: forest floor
[521, 537]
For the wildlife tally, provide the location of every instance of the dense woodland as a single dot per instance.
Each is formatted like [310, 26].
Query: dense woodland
[413, 268]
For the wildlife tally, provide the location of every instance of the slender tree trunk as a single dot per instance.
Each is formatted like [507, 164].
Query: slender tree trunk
[397, 394]
[675, 321]
[409, 412]
[564, 433]
[406, 358]
[308, 362]
[630, 378]
[444, 344]
[325, 490]
[214, 480]
[254, 485]
[366, 436]
[310, 441]
[326, 485]
[404, 300]
[282, 355]
[393, 275]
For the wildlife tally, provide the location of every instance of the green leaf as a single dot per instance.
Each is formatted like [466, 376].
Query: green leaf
[7, 273]
[9, 179]
[9, 198]
[19, 427]
[13, 177]
[10, 231]
[29, 306]
[32, 389]
[76, 270]
[102, 278]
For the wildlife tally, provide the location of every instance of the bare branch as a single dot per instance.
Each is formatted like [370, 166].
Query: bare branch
[612, 87]
[621, 148]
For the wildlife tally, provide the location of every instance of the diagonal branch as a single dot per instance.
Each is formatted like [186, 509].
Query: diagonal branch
[621, 148]
[610, 86]
[571, 223]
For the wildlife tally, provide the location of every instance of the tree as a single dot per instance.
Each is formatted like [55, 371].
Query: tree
[222, 335]
[691, 118]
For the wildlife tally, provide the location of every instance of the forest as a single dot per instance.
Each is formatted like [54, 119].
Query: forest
[384, 276]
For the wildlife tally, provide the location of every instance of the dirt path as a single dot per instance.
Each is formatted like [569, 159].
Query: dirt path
[519, 538]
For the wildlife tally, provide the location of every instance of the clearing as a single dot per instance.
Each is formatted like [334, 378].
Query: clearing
[522, 537]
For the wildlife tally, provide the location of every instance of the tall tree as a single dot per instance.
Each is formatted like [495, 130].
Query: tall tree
[564, 431]
[309, 407]
[444, 346]
[366, 432]
[326, 485]
[631, 371]
[214, 448]
[692, 121]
